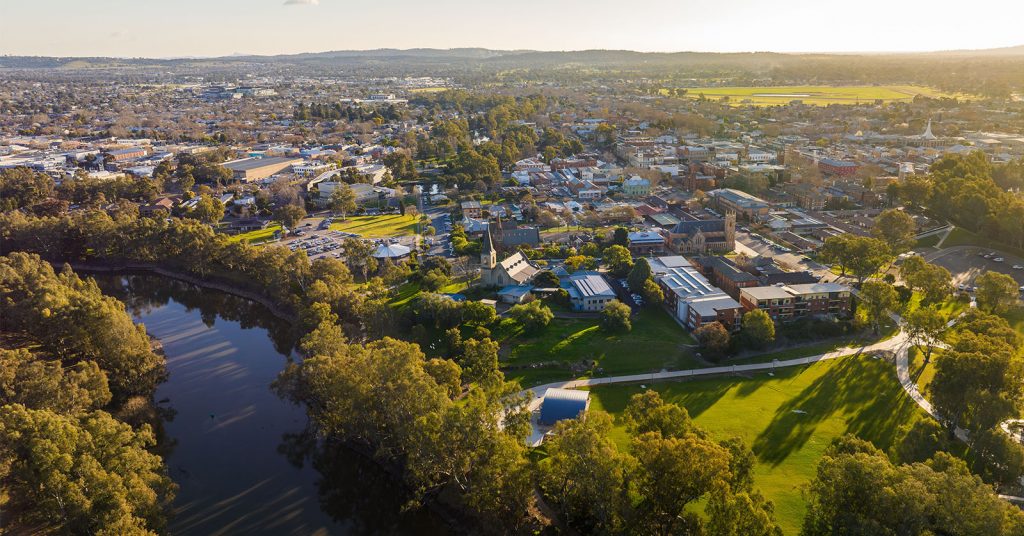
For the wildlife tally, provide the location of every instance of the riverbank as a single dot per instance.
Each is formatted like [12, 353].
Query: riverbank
[276, 309]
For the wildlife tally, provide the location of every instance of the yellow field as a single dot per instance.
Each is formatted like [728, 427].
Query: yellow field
[377, 226]
[814, 95]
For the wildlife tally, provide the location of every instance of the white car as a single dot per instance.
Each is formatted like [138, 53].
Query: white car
[1018, 267]
[998, 259]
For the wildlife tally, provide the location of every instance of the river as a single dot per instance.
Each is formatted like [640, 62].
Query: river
[241, 455]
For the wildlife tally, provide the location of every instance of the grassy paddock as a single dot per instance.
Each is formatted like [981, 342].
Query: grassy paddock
[387, 226]
[856, 395]
[815, 95]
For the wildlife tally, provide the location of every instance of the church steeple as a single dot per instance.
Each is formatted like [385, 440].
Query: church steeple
[488, 255]
[928, 131]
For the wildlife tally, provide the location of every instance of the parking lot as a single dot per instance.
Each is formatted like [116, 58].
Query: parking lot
[966, 263]
[318, 240]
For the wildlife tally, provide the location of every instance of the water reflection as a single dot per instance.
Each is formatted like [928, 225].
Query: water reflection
[244, 458]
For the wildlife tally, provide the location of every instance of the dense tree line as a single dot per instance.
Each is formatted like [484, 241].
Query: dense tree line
[858, 490]
[285, 277]
[338, 111]
[66, 464]
[654, 487]
[963, 189]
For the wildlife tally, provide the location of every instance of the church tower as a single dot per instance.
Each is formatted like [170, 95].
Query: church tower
[488, 255]
[730, 230]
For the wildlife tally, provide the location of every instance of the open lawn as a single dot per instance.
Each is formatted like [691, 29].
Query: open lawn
[922, 373]
[948, 308]
[257, 236]
[377, 226]
[410, 289]
[789, 419]
[815, 95]
[656, 342]
[929, 241]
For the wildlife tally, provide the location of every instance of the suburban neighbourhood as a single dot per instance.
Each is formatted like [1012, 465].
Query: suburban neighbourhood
[510, 291]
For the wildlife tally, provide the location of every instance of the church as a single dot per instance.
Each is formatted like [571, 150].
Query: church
[515, 270]
[703, 236]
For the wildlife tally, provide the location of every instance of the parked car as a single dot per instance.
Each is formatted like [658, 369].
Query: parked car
[1018, 267]
[998, 259]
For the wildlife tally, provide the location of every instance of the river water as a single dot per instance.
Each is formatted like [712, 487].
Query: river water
[241, 455]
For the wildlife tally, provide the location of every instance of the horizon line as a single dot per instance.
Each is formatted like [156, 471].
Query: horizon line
[523, 50]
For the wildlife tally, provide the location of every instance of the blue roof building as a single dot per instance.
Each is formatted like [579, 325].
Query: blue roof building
[561, 404]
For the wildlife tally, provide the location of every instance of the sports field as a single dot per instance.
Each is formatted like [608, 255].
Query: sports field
[387, 226]
[814, 95]
[787, 419]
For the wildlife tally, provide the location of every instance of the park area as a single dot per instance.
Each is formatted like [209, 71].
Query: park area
[787, 419]
[815, 95]
[258, 236]
[567, 348]
[388, 226]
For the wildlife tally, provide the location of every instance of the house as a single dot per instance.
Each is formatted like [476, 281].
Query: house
[515, 293]
[588, 291]
[472, 209]
[252, 169]
[643, 243]
[702, 236]
[515, 270]
[561, 404]
[164, 204]
[636, 186]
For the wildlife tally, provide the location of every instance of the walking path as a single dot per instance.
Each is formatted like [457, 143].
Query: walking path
[537, 434]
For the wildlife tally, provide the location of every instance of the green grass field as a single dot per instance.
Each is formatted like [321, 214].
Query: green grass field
[948, 308]
[257, 236]
[849, 395]
[377, 226]
[929, 241]
[656, 342]
[814, 95]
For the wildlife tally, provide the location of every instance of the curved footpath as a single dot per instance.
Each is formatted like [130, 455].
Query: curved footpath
[899, 344]
[900, 340]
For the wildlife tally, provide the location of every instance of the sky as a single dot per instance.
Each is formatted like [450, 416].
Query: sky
[178, 28]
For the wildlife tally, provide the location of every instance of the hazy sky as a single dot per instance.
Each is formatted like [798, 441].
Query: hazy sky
[166, 28]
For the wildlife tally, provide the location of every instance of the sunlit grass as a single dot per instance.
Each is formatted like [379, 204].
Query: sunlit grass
[789, 419]
[816, 95]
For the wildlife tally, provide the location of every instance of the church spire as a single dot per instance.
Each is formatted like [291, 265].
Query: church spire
[928, 131]
[488, 255]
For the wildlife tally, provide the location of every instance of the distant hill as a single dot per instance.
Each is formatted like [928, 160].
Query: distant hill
[485, 57]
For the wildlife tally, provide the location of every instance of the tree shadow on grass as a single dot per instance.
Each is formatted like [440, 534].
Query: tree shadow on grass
[865, 389]
[697, 397]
